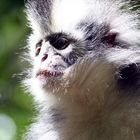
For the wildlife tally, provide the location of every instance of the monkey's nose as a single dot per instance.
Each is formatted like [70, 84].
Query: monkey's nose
[44, 57]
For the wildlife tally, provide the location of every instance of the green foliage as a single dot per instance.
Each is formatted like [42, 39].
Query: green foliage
[13, 31]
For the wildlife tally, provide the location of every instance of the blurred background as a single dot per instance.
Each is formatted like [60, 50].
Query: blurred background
[15, 105]
[16, 109]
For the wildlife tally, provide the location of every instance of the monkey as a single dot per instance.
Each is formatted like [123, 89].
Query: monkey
[85, 75]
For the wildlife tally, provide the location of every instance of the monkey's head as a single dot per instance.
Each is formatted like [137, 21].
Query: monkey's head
[74, 46]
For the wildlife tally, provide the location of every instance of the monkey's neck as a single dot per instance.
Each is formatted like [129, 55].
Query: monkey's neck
[82, 121]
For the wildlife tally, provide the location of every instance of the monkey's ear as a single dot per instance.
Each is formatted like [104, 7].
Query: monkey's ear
[38, 13]
[129, 76]
[110, 37]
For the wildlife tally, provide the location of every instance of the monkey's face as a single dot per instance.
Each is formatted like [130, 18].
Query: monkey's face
[55, 55]
[62, 60]
[59, 57]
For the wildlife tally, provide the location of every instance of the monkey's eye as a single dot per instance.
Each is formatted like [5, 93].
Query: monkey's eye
[38, 47]
[60, 44]
[59, 41]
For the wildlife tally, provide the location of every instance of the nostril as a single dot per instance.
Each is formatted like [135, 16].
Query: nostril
[44, 57]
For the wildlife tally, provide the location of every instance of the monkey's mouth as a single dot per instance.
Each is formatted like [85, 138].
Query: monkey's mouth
[47, 74]
[52, 71]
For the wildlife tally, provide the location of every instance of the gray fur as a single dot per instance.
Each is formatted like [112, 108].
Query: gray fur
[40, 11]
[96, 98]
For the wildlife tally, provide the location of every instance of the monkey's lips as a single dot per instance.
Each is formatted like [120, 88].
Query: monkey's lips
[47, 74]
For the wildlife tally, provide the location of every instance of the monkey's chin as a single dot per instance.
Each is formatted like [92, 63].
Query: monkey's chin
[50, 79]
